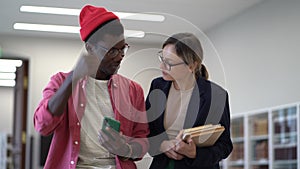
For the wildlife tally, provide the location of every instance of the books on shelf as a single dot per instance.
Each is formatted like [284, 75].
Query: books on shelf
[260, 127]
[237, 128]
[204, 136]
[237, 154]
[261, 150]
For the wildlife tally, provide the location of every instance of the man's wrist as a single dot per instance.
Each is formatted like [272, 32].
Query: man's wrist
[129, 153]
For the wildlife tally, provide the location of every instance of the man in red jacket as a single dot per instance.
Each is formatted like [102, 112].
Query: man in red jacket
[74, 104]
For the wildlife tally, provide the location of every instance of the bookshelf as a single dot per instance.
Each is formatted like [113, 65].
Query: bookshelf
[285, 142]
[5, 151]
[9, 162]
[258, 140]
[236, 158]
[265, 139]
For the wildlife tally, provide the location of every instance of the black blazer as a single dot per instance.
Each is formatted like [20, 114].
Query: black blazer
[208, 105]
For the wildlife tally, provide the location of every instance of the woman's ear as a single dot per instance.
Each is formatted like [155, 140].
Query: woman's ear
[192, 67]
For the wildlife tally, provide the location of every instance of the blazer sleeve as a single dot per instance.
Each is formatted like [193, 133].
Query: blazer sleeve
[210, 156]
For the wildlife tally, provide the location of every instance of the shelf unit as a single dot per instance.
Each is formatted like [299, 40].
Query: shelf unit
[285, 141]
[237, 157]
[9, 164]
[5, 151]
[258, 140]
[265, 139]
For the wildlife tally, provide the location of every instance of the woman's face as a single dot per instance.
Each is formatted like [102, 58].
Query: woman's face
[177, 72]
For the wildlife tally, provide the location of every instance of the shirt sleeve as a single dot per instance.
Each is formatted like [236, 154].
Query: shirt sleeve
[44, 122]
[140, 129]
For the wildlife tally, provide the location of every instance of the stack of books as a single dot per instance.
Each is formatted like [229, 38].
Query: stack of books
[203, 136]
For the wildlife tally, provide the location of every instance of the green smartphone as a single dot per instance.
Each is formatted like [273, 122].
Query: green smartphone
[112, 123]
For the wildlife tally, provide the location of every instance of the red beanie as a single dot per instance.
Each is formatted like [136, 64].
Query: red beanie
[91, 18]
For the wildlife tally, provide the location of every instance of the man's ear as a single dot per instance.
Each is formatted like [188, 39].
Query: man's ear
[89, 47]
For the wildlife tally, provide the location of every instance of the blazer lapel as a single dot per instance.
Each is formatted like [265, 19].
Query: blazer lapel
[195, 106]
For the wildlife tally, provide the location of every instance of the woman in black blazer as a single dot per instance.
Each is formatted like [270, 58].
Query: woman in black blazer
[183, 98]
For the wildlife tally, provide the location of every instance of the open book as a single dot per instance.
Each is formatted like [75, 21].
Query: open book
[204, 136]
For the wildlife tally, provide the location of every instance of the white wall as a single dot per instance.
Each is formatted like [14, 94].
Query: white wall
[6, 109]
[260, 52]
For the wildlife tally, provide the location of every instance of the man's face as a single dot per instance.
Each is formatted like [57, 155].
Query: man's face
[112, 48]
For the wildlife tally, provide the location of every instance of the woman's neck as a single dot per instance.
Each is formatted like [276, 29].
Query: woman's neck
[185, 84]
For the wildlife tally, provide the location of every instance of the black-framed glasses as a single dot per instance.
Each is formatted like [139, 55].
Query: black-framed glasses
[167, 65]
[113, 52]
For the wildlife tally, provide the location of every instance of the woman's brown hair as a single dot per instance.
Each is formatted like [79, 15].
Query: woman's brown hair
[189, 48]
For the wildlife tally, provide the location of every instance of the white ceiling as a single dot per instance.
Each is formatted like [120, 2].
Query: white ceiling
[180, 15]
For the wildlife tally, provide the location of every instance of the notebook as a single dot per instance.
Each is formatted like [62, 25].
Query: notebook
[204, 136]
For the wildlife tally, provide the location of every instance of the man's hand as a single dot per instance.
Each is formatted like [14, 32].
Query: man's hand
[114, 142]
[87, 65]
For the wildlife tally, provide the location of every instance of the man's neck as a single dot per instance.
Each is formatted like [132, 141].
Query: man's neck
[101, 75]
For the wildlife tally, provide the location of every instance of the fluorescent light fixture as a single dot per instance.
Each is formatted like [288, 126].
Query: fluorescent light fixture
[10, 62]
[8, 83]
[50, 10]
[7, 76]
[67, 29]
[132, 33]
[140, 16]
[76, 12]
[8, 69]
[46, 28]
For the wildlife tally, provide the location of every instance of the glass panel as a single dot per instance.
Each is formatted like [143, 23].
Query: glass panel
[235, 167]
[236, 158]
[285, 166]
[285, 138]
[258, 137]
[237, 154]
[260, 167]
[237, 128]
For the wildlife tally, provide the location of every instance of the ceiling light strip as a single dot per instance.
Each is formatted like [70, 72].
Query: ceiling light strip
[140, 16]
[67, 29]
[50, 10]
[10, 62]
[76, 12]
[8, 69]
[7, 83]
[46, 28]
[7, 76]
[134, 34]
